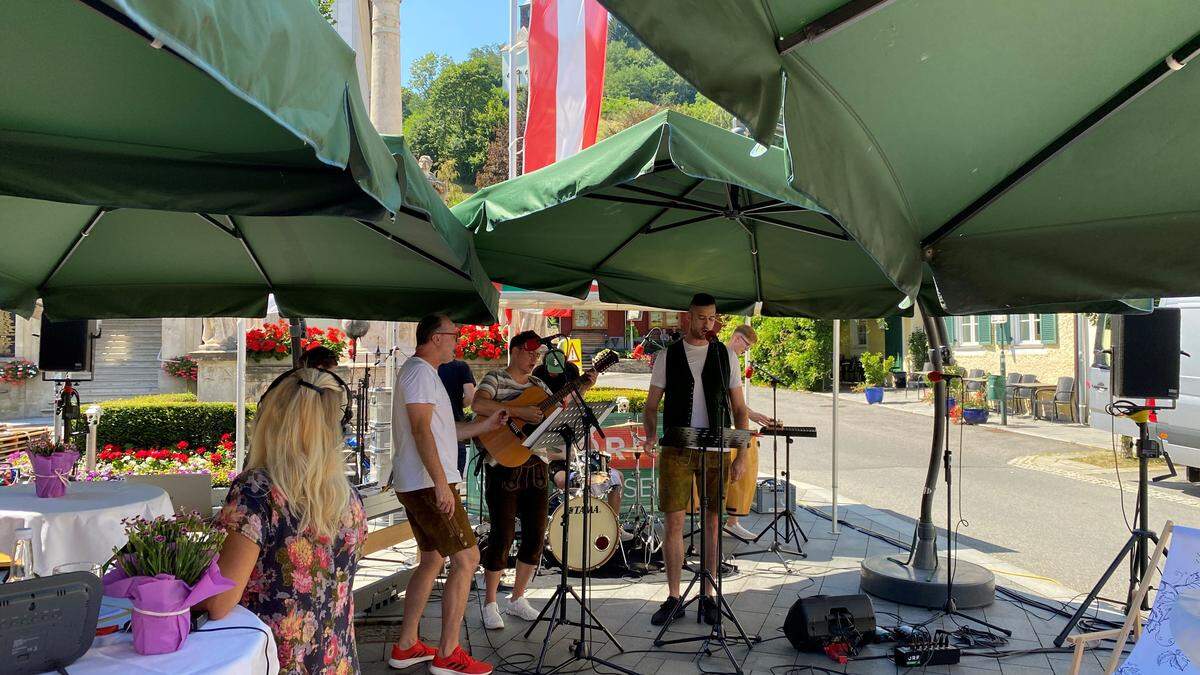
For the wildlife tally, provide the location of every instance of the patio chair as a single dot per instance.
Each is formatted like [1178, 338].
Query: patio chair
[1063, 395]
[974, 374]
[1169, 640]
[1010, 393]
[1022, 394]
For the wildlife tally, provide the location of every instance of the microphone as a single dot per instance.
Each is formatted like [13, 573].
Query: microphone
[533, 343]
[766, 374]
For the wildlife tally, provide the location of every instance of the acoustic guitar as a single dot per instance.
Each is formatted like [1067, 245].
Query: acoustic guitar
[504, 444]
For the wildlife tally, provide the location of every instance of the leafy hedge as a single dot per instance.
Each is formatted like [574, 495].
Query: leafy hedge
[165, 419]
[637, 397]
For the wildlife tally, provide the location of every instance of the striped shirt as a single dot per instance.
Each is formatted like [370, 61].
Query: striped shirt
[501, 386]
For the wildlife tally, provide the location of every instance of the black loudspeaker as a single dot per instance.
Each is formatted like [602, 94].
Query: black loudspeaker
[1146, 355]
[65, 346]
[813, 622]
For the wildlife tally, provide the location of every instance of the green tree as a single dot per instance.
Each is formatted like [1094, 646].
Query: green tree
[424, 72]
[465, 102]
[637, 73]
[798, 351]
[325, 7]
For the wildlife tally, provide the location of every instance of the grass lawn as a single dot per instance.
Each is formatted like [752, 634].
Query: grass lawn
[1104, 460]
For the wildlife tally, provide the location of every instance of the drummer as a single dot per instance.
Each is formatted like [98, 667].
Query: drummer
[741, 492]
[613, 482]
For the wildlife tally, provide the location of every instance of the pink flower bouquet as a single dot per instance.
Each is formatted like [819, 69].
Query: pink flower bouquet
[169, 565]
[53, 463]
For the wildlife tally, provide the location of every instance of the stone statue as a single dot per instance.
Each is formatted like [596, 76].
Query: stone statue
[426, 164]
[218, 334]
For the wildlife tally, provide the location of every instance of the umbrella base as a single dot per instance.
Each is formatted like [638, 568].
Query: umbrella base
[974, 586]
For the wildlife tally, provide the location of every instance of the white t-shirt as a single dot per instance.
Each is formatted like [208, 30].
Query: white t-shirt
[418, 382]
[696, 356]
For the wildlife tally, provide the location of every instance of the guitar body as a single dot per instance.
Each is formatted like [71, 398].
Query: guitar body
[504, 444]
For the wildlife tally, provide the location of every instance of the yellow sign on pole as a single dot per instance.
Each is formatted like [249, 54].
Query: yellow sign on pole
[573, 348]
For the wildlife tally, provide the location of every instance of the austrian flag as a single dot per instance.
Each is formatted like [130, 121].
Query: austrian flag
[567, 40]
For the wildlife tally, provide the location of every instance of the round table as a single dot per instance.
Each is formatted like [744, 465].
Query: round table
[241, 650]
[83, 525]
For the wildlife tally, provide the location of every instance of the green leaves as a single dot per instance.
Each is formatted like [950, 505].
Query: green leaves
[798, 351]
[462, 104]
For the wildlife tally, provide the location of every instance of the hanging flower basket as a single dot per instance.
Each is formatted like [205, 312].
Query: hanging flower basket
[18, 371]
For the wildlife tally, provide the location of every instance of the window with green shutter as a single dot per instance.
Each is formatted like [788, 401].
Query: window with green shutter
[1049, 328]
[985, 329]
[951, 334]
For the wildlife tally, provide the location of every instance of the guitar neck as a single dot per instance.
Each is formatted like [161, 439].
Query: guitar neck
[558, 397]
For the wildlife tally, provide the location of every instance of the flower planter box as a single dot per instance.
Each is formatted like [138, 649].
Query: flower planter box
[874, 394]
[481, 367]
[975, 415]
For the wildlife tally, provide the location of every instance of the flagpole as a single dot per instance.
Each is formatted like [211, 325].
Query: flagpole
[514, 19]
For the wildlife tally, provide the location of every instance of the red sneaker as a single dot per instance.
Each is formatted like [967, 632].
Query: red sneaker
[458, 663]
[405, 658]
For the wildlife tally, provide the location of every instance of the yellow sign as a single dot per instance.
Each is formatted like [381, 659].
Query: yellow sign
[573, 348]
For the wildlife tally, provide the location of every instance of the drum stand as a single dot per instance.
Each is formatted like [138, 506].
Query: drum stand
[718, 636]
[643, 522]
[581, 648]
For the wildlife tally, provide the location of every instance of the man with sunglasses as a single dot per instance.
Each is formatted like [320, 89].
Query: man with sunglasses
[519, 492]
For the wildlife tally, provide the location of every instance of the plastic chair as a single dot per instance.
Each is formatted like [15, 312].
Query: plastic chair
[974, 373]
[1063, 395]
[1169, 639]
[1010, 393]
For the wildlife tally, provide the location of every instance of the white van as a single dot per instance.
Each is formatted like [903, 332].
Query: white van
[1179, 429]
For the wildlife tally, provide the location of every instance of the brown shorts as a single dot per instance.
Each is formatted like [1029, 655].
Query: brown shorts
[434, 530]
[678, 467]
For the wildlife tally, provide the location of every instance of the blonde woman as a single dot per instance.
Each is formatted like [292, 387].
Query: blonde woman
[296, 527]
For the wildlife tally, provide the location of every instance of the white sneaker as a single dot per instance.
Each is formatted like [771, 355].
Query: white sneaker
[491, 617]
[740, 532]
[626, 535]
[521, 609]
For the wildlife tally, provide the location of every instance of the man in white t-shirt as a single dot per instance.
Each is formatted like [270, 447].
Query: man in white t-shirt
[424, 475]
[703, 388]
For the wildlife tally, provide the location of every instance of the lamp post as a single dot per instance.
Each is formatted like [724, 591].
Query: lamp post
[1001, 326]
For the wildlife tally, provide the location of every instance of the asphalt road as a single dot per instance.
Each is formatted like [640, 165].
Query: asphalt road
[1057, 525]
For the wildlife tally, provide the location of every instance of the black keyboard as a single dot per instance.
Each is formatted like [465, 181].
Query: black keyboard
[794, 432]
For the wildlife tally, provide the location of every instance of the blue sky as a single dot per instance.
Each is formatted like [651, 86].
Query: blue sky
[450, 27]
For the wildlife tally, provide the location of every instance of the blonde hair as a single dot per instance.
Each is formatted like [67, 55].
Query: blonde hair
[746, 331]
[298, 441]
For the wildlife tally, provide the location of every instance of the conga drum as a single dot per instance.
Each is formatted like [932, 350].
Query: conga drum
[739, 494]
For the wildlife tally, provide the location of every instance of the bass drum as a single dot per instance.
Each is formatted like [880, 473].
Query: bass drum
[603, 533]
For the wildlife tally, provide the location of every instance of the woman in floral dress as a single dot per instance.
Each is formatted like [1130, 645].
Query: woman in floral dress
[296, 528]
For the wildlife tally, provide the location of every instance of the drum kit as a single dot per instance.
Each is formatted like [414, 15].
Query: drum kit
[604, 526]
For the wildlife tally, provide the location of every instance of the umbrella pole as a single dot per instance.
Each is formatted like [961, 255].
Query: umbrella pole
[833, 439]
[920, 581]
[240, 397]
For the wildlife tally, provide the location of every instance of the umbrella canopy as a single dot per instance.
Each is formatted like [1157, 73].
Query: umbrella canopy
[1028, 152]
[669, 207]
[223, 106]
[93, 262]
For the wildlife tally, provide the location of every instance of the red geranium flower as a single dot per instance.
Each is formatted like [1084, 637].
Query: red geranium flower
[182, 445]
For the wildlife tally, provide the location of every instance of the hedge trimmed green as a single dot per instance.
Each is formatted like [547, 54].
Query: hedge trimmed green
[637, 397]
[165, 419]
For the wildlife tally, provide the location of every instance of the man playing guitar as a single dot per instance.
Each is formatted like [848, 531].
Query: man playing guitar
[703, 388]
[515, 492]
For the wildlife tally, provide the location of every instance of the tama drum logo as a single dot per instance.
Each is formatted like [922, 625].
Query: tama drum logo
[578, 510]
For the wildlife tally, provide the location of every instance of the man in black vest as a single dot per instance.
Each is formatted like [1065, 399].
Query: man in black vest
[703, 388]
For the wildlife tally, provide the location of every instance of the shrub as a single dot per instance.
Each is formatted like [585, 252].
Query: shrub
[165, 419]
[637, 397]
[797, 351]
[876, 368]
[918, 349]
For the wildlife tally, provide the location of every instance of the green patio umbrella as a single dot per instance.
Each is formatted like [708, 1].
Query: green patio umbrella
[223, 106]
[157, 159]
[92, 262]
[1028, 152]
[670, 207]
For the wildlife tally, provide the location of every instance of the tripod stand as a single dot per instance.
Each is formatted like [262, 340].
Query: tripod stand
[577, 421]
[1138, 544]
[791, 526]
[950, 609]
[644, 519]
[704, 440]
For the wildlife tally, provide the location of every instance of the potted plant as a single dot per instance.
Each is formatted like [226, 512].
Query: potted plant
[167, 566]
[875, 371]
[53, 462]
[918, 349]
[482, 347]
[273, 341]
[333, 339]
[975, 408]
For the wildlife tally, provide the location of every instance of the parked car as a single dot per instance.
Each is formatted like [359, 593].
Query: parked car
[1179, 428]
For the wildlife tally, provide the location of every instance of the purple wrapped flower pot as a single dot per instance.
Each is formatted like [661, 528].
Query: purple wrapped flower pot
[161, 605]
[50, 473]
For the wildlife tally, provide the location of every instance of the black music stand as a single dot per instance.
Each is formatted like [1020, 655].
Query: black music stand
[791, 526]
[568, 425]
[708, 441]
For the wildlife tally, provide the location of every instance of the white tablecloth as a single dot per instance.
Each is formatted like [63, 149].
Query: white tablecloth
[242, 652]
[82, 526]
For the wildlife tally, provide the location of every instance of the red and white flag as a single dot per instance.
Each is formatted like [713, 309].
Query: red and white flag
[567, 40]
